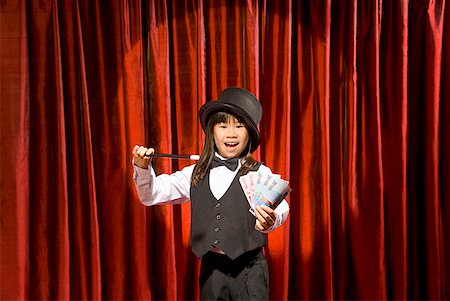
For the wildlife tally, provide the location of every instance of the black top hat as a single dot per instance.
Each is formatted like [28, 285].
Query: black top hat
[240, 103]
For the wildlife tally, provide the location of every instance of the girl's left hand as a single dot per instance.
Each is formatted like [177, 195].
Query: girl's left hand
[265, 218]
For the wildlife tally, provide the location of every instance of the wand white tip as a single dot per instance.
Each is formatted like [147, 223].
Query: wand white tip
[194, 157]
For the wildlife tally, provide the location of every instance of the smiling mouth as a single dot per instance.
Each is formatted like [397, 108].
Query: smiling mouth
[231, 144]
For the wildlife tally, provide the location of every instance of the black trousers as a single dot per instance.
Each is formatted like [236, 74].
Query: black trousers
[245, 278]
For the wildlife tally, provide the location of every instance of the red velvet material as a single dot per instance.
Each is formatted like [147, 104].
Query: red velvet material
[356, 104]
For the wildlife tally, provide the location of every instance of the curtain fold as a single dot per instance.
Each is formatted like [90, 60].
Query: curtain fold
[433, 210]
[49, 258]
[276, 140]
[14, 152]
[355, 97]
[85, 276]
[394, 85]
[444, 148]
[157, 122]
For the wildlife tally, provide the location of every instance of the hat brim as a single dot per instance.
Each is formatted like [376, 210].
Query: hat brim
[215, 106]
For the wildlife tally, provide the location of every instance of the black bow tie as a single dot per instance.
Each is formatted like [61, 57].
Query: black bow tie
[231, 164]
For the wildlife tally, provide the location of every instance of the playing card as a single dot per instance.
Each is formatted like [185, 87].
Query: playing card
[247, 190]
[265, 180]
[264, 188]
[273, 194]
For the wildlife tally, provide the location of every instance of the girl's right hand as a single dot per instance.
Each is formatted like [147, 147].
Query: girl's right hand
[141, 156]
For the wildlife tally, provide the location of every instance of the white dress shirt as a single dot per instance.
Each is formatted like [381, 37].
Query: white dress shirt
[175, 188]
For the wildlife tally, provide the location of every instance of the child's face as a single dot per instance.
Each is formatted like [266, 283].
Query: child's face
[231, 138]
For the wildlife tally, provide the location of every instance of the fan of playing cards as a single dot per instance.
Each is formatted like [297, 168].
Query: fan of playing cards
[264, 188]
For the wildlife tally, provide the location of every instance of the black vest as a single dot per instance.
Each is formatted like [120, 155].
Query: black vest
[225, 223]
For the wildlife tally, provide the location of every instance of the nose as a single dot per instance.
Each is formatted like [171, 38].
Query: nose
[231, 133]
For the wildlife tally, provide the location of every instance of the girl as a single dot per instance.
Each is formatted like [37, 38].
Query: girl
[224, 234]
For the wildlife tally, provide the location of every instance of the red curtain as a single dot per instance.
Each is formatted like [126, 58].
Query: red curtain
[356, 99]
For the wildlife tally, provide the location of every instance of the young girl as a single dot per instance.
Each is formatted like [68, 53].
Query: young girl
[224, 234]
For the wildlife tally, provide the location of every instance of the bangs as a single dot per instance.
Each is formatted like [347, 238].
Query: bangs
[219, 117]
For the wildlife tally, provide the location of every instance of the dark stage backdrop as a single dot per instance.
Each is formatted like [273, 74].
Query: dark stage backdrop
[356, 98]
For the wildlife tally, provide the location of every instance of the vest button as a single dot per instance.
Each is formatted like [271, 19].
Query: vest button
[216, 242]
[217, 205]
[218, 216]
[216, 229]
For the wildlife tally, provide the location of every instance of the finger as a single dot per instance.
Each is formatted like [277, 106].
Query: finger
[270, 212]
[141, 152]
[135, 148]
[258, 226]
[260, 218]
[267, 214]
[258, 214]
[149, 151]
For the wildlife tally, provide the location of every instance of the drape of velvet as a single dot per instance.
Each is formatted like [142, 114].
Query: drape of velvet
[356, 104]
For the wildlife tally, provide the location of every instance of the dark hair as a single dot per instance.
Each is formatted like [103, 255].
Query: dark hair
[209, 148]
